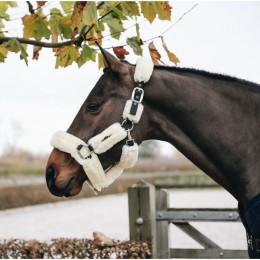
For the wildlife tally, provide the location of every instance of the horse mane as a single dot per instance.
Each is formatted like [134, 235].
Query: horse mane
[203, 73]
[208, 74]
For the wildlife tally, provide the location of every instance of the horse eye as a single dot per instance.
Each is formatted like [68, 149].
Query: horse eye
[92, 107]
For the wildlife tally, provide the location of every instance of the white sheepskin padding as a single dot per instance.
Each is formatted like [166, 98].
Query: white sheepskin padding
[65, 142]
[95, 172]
[113, 174]
[127, 115]
[97, 178]
[143, 70]
[108, 138]
[128, 159]
[129, 156]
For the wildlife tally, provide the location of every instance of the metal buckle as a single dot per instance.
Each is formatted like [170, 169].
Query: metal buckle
[125, 121]
[250, 241]
[83, 151]
[140, 98]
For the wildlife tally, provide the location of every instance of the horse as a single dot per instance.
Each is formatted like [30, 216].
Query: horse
[212, 119]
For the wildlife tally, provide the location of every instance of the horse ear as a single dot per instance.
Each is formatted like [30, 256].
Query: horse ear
[112, 62]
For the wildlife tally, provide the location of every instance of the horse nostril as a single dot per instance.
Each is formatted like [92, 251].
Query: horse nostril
[50, 175]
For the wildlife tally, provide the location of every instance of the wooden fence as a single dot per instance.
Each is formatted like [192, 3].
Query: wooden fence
[150, 216]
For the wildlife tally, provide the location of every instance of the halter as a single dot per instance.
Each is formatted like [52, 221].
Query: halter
[86, 154]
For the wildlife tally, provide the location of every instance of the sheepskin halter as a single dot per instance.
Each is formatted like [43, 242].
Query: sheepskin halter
[86, 154]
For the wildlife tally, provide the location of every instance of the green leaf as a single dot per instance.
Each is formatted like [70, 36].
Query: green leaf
[12, 45]
[67, 5]
[87, 54]
[59, 24]
[15, 46]
[115, 27]
[148, 8]
[41, 29]
[66, 56]
[36, 27]
[117, 13]
[137, 28]
[1, 27]
[130, 8]
[3, 13]
[64, 27]
[135, 44]
[3, 8]
[90, 13]
[24, 55]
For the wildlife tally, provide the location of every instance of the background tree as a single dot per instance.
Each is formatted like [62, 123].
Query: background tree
[72, 29]
[149, 149]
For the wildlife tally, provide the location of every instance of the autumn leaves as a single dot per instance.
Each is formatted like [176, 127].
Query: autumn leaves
[72, 28]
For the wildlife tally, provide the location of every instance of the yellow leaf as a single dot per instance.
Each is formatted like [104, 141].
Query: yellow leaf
[172, 57]
[66, 56]
[94, 35]
[3, 50]
[163, 10]
[148, 8]
[54, 37]
[130, 8]
[101, 63]
[29, 25]
[77, 15]
[3, 53]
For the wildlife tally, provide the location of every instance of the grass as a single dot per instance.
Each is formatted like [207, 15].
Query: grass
[22, 179]
[12, 170]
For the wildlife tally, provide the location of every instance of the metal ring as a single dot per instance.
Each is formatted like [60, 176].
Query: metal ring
[127, 121]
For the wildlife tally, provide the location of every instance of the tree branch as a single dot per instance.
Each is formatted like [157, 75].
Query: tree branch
[40, 43]
[77, 41]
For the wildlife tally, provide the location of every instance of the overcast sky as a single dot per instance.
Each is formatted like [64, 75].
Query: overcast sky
[37, 100]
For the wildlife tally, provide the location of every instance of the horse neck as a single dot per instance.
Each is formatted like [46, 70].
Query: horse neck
[201, 116]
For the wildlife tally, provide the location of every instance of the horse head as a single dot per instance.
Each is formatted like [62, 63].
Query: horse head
[98, 133]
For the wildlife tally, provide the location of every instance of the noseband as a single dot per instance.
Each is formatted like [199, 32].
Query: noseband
[86, 154]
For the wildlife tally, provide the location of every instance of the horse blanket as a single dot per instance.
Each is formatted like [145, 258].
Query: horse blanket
[250, 217]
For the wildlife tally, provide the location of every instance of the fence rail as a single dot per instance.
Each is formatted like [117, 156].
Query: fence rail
[150, 216]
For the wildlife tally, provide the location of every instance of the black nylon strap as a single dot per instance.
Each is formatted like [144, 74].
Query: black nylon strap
[137, 95]
[253, 243]
[133, 109]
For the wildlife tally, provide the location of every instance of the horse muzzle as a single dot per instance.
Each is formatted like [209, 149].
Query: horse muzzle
[64, 176]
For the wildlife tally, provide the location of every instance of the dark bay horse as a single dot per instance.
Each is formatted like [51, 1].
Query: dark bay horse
[214, 120]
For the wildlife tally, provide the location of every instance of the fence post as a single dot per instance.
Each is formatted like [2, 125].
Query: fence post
[162, 227]
[142, 219]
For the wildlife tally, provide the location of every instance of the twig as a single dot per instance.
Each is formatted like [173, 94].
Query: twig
[30, 6]
[168, 29]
